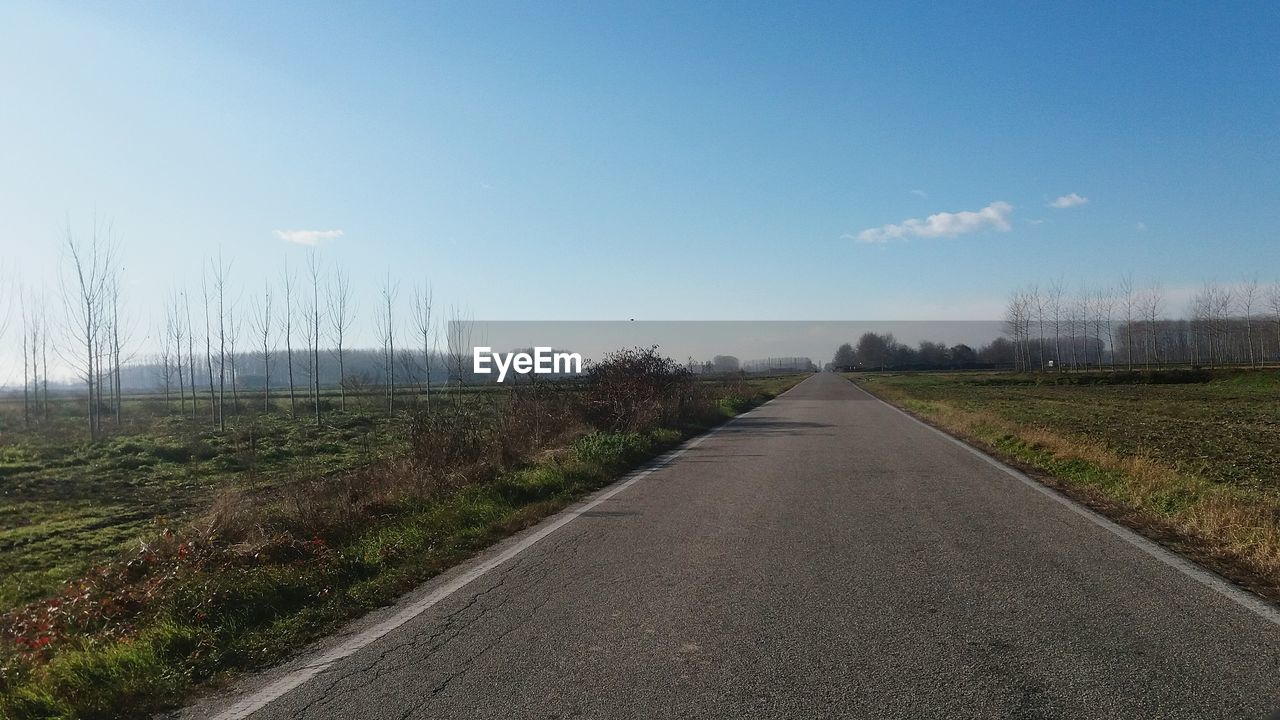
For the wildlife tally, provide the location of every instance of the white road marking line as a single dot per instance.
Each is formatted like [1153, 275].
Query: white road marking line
[1244, 598]
[255, 701]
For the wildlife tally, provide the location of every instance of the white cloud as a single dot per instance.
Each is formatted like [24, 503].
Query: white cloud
[308, 237]
[1037, 221]
[920, 193]
[1141, 227]
[943, 224]
[1067, 201]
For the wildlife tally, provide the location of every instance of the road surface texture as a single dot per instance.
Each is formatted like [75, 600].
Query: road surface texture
[822, 556]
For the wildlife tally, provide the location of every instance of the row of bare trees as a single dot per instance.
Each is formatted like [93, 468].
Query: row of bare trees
[1130, 326]
[319, 311]
[35, 355]
[281, 336]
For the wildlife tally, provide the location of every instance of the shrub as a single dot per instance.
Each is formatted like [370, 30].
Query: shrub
[639, 389]
[200, 449]
[172, 453]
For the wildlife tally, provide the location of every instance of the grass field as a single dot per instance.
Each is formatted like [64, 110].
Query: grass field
[1189, 458]
[71, 504]
[193, 554]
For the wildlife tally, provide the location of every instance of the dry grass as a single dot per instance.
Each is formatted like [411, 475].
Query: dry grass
[266, 568]
[450, 449]
[1234, 528]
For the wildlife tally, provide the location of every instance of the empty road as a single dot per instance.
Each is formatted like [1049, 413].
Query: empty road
[822, 556]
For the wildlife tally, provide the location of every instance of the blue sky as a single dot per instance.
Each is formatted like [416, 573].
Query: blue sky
[607, 160]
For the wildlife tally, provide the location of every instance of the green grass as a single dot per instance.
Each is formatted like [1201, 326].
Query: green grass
[71, 504]
[256, 614]
[203, 622]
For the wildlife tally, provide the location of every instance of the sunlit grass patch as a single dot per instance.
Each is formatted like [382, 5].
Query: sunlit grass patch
[1195, 456]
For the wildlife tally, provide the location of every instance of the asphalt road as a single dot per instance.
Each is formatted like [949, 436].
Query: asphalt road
[823, 556]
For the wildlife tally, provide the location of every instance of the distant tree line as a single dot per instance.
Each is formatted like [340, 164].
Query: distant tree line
[779, 365]
[1130, 327]
[729, 364]
[876, 351]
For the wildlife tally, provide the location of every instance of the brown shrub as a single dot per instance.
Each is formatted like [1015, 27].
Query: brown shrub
[639, 389]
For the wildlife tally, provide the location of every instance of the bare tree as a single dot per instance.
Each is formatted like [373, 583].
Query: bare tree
[179, 333]
[84, 288]
[1201, 319]
[1073, 327]
[174, 332]
[166, 368]
[422, 305]
[458, 346]
[44, 358]
[1222, 307]
[288, 336]
[191, 352]
[106, 392]
[308, 357]
[208, 345]
[1127, 299]
[262, 332]
[409, 366]
[38, 331]
[1039, 306]
[220, 273]
[1106, 300]
[26, 377]
[1152, 304]
[233, 355]
[1028, 310]
[387, 333]
[313, 265]
[1055, 307]
[5, 299]
[1273, 303]
[35, 339]
[1028, 317]
[1093, 314]
[1080, 326]
[340, 319]
[115, 339]
[1248, 301]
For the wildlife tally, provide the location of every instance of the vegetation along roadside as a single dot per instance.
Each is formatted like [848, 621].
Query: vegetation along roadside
[1189, 458]
[269, 566]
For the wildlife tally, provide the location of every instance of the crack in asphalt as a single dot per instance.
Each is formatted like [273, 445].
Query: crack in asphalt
[522, 572]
